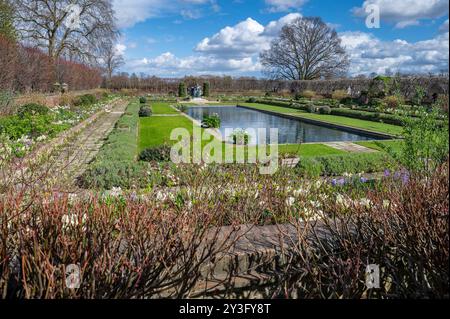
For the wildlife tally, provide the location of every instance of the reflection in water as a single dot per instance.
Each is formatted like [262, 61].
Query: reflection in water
[289, 131]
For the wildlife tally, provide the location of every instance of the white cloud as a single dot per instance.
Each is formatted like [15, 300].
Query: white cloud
[246, 37]
[131, 12]
[369, 54]
[234, 49]
[406, 12]
[285, 5]
[168, 64]
[121, 48]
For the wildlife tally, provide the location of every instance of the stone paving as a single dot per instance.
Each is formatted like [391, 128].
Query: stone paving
[72, 159]
[349, 147]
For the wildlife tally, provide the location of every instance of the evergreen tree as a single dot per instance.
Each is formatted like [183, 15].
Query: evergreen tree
[182, 90]
[206, 89]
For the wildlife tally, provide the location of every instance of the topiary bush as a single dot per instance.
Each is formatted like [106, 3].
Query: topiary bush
[156, 154]
[145, 111]
[312, 108]
[32, 109]
[143, 100]
[252, 100]
[325, 110]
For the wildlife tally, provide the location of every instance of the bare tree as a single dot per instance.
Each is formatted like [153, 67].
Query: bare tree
[71, 28]
[306, 49]
[111, 60]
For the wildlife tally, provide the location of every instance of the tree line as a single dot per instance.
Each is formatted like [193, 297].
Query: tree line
[44, 42]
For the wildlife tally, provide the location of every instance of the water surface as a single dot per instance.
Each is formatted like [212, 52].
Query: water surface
[290, 131]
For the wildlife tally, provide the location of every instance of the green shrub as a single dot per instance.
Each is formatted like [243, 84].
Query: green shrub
[143, 100]
[325, 110]
[393, 101]
[309, 167]
[369, 116]
[182, 108]
[87, 99]
[110, 174]
[312, 108]
[377, 103]
[156, 154]
[298, 96]
[426, 144]
[206, 89]
[212, 121]
[32, 109]
[252, 100]
[145, 111]
[182, 91]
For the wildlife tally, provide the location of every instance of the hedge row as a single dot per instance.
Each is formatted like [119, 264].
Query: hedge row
[369, 116]
[337, 165]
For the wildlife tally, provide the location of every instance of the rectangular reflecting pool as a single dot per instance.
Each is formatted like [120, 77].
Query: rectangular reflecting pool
[290, 131]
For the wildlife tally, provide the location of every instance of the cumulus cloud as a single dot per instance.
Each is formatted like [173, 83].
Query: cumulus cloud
[246, 37]
[285, 5]
[369, 54]
[234, 49]
[168, 64]
[406, 13]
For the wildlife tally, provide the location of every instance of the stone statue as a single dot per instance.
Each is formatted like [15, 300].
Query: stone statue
[196, 91]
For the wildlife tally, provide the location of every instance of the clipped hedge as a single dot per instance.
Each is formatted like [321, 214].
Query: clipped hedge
[336, 165]
[369, 116]
[296, 105]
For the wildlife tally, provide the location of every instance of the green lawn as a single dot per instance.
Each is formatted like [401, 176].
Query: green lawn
[271, 108]
[379, 145]
[160, 108]
[155, 131]
[332, 119]
[308, 150]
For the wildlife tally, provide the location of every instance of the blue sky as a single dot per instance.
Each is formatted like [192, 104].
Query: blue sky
[181, 37]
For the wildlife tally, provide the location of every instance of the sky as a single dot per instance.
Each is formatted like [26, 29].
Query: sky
[174, 38]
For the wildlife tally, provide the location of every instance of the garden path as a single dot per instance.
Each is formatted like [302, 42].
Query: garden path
[68, 161]
[349, 147]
